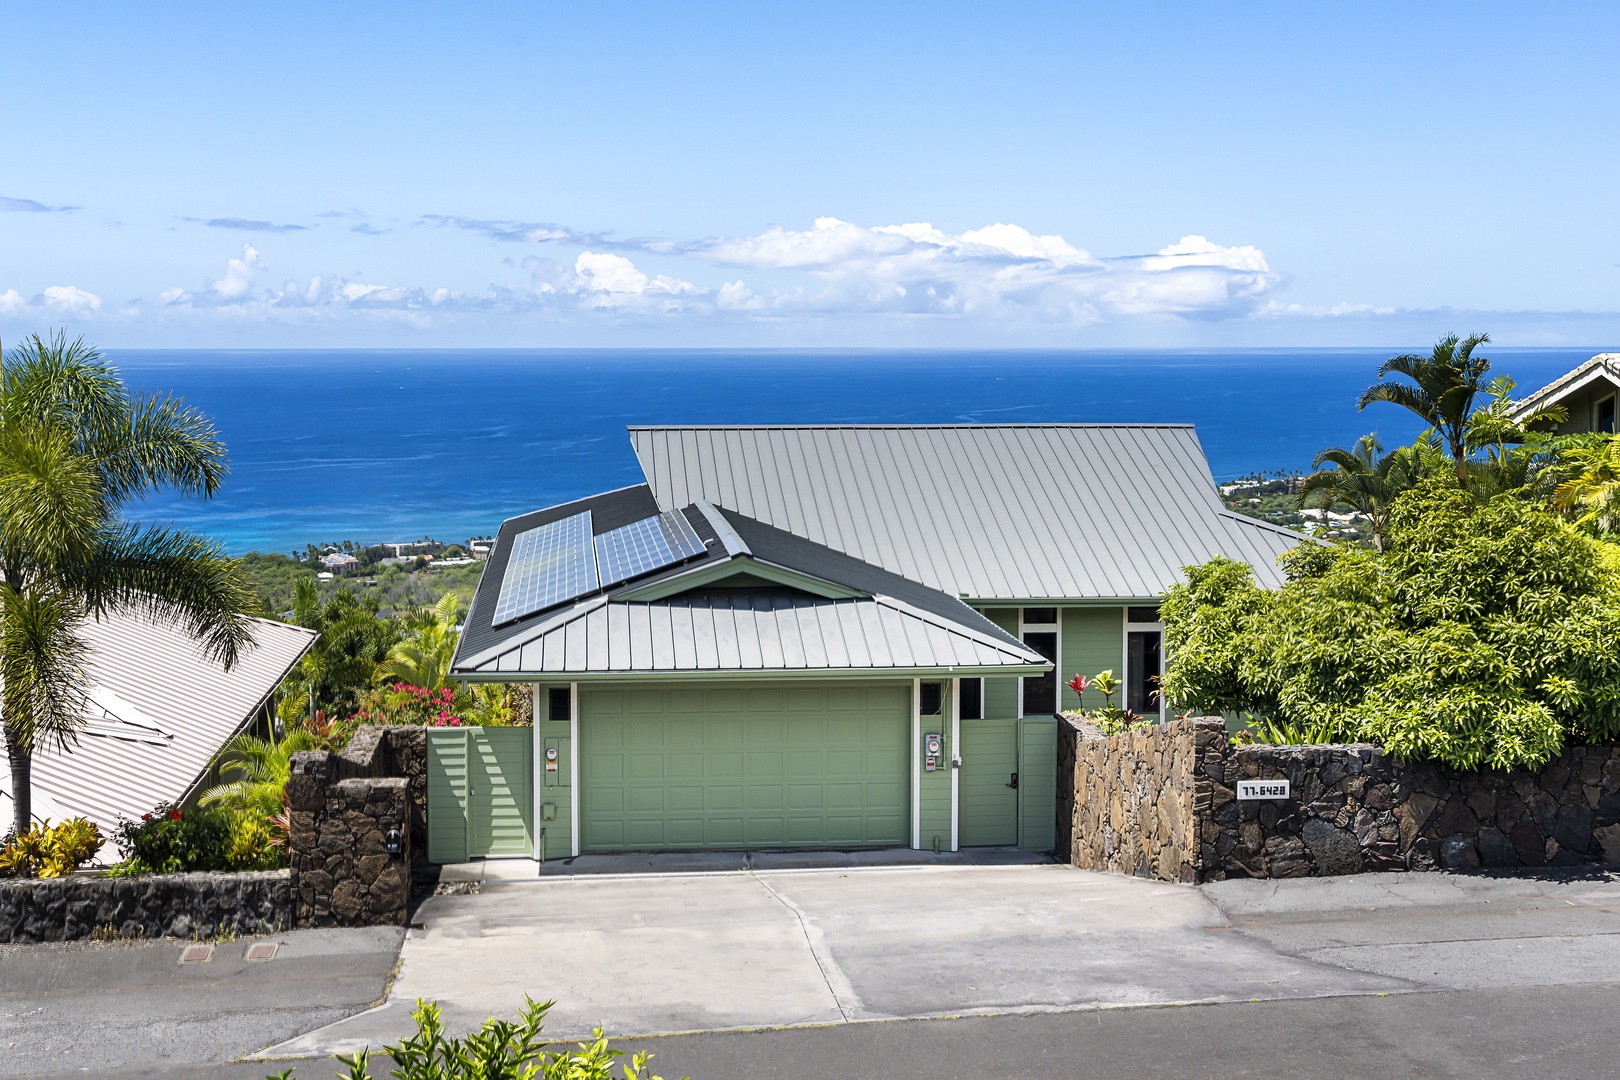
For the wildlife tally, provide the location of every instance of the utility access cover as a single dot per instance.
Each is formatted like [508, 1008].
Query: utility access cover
[259, 952]
[197, 954]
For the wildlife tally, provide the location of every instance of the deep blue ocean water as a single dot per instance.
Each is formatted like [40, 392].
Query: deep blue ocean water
[394, 445]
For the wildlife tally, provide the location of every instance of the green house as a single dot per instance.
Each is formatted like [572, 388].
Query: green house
[835, 636]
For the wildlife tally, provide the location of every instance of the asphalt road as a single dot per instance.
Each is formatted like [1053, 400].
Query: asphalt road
[1539, 1033]
[118, 1009]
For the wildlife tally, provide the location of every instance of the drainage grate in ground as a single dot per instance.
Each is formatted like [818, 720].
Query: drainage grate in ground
[259, 952]
[196, 954]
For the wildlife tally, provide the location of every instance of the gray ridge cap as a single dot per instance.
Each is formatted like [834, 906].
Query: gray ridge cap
[1245, 519]
[894, 427]
[733, 543]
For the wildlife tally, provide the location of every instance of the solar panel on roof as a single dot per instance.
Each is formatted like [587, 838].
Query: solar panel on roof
[549, 564]
[648, 544]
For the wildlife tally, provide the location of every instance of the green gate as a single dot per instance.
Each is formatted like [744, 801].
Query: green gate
[793, 766]
[1008, 784]
[480, 792]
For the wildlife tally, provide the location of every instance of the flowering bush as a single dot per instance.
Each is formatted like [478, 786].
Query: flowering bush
[402, 703]
[1110, 719]
[170, 840]
[49, 851]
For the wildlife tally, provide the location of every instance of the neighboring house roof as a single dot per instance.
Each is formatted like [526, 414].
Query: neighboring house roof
[339, 558]
[158, 712]
[1602, 367]
[757, 601]
[986, 512]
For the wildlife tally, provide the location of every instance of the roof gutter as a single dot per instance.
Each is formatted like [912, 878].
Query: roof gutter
[769, 675]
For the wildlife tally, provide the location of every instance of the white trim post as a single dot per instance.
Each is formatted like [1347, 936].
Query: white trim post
[575, 826]
[916, 763]
[538, 771]
[956, 734]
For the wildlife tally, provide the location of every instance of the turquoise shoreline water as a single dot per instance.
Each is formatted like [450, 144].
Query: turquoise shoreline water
[393, 445]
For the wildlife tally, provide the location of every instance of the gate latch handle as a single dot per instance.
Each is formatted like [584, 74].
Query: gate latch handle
[1013, 783]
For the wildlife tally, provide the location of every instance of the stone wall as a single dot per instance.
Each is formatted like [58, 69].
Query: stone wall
[158, 905]
[1138, 800]
[343, 808]
[1132, 804]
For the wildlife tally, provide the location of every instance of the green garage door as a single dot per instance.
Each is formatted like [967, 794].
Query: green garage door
[743, 768]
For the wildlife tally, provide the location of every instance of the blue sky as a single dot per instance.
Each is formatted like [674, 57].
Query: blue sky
[828, 174]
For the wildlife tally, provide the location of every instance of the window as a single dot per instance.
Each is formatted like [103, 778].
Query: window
[970, 699]
[1605, 416]
[1040, 691]
[558, 704]
[1144, 662]
[1143, 655]
[930, 697]
[1041, 616]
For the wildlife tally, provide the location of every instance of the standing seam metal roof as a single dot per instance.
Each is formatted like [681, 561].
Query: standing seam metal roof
[159, 672]
[1039, 511]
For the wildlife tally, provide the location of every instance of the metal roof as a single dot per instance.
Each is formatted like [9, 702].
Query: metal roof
[158, 712]
[696, 618]
[987, 512]
[1600, 366]
[742, 631]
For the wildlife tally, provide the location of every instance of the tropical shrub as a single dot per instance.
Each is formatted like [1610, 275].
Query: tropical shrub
[481, 705]
[170, 840]
[500, 1050]
[1482, 636]
[1110, 719]
[49, 851]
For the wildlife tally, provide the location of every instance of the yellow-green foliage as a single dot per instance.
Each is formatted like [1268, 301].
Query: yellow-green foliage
[1483, 636]
[49, 851]
[252, 844]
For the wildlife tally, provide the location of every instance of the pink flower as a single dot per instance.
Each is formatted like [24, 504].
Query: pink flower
[1079, 683]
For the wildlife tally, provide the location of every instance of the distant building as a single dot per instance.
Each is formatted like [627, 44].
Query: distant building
[339, 560]
[1587, 395]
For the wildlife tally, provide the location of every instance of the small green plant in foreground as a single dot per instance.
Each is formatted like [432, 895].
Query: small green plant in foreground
[500, 1050]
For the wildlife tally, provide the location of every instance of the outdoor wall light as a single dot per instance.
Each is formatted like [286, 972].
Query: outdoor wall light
[391, 840]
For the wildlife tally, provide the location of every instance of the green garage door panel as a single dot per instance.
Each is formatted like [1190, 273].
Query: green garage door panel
[480, 793]
[738, 768]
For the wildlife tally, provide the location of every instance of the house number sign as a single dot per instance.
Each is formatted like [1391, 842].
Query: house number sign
[1262, 789]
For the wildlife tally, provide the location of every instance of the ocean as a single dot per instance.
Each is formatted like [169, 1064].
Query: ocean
[394, 445]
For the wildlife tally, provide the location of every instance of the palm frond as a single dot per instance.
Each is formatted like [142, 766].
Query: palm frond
[174, 577]
[42, 667]
[51, 498]
[167, 444]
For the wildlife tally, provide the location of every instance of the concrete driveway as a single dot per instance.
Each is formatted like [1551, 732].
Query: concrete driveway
[656, 953]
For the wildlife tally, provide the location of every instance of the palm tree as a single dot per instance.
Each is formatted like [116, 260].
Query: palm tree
[423, 658]
[1367, 479]
[1593, 490]
[75, 447]
[255, 771]
[1442, 391]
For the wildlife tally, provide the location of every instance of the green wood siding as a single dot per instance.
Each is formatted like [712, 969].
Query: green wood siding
[988, 814]
[556, 788]
[1037, 784]
[1093, 640]
[480, 793]
[934, 788]
[1001, 695]
[728, 767]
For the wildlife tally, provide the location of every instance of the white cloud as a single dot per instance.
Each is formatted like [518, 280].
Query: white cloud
[12, 302]
[70, 299]
[833, 270]
[239, 275]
